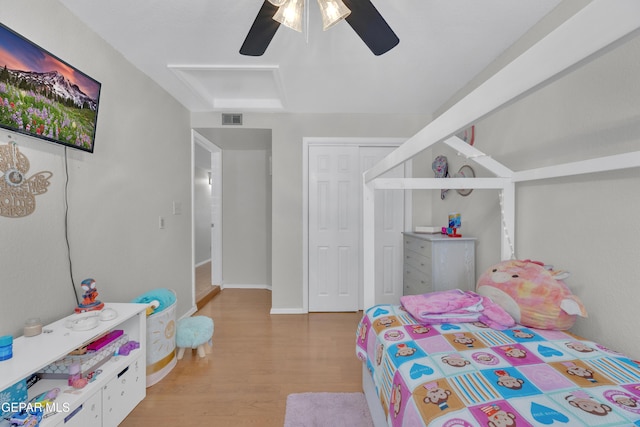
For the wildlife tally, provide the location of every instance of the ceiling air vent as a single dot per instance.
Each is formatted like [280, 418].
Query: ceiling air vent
[231, 119]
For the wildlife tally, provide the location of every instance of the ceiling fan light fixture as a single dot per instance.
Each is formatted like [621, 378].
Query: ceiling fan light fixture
[277, 3]
[290, 14]
[333, 11]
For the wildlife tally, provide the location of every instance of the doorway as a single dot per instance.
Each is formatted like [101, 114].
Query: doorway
[207, 218]
[332, 220]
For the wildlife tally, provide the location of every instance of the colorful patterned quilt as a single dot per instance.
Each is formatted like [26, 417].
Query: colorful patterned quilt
[468, 375]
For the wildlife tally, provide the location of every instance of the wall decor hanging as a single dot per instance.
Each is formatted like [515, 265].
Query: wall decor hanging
[440, 168]
[468, 135]
[17, 192]
[465, 171]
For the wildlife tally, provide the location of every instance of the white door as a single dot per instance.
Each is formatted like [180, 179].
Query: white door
[335, 218]
[389, 224]
[334, 232]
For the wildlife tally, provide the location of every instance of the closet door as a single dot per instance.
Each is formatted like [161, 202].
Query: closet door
[334, 234]
[389, 225]
[335, 228]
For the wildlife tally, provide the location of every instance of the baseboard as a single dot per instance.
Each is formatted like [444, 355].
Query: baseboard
[245, 286]
[203, 262]
[189, 313]
[288, 311]
[215, 290]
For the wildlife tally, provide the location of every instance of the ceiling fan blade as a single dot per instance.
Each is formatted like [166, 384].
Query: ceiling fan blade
[261, 32]
[370, 26]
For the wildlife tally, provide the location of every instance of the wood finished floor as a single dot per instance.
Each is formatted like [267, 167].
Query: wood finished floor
[256, 361]
[204, 290]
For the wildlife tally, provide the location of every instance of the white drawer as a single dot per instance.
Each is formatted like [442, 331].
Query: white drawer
[416, 280]
[421, 247]
[437, 263]
[123, 393]
[417, 261]
[89, 413]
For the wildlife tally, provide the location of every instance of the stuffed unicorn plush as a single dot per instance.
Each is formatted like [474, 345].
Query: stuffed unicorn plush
[533, 295]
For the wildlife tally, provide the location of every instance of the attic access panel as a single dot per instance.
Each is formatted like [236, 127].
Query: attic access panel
[229, 87]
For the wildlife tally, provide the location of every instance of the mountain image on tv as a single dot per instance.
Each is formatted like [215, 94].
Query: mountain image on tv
[42, 96]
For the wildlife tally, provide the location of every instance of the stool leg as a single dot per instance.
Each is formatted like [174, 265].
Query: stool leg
[209, 346]
[201, 350]
[180, 353]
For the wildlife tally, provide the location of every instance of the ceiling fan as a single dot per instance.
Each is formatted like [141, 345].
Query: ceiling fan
[364, 18]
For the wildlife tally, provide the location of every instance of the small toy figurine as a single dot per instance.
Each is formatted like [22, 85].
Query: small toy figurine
[89, 301]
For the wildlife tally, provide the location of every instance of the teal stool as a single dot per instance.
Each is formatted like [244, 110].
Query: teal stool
[194, 332]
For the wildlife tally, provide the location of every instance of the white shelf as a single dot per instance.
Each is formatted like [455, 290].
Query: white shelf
[33, 353]
[69, 398]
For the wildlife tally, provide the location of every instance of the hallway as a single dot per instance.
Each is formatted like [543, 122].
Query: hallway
[204, 290]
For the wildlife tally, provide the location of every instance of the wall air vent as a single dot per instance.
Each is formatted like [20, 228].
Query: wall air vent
[231, 119]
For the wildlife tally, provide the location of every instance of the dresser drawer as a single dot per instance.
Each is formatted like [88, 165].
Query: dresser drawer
[419, 246]
[417, 280]
[89, 413]
[123, 393]
[434, 262]
[417, 261]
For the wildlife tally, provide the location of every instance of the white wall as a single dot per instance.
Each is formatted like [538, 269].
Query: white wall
[587, 224]
[287, 133]
[246, 217]
[141, 164]
[246, 204]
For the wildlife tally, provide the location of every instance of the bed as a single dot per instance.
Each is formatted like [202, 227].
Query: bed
[571, 45]
[467, 374]
[397, 379]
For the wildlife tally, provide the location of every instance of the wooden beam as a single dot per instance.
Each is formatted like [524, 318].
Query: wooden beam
[439, 183]
[600, 164]
[368, 246]
[477, 156]
[598, 27]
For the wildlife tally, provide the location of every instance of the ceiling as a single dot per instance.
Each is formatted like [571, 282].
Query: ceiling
[191, 50]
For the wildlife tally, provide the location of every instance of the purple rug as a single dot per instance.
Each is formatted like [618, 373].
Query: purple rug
[327, 409]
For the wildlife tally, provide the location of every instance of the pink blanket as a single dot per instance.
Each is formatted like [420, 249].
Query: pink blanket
[456, 306]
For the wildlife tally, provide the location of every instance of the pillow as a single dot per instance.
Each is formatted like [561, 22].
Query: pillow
[160, 298]
[532, 294]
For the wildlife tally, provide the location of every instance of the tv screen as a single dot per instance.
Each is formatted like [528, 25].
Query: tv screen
[45, 97]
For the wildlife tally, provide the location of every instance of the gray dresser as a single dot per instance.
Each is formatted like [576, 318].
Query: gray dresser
[436, 262]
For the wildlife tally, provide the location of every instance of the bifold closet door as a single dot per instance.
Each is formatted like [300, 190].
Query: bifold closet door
[335, 235]
[334, 176]
[389, 225]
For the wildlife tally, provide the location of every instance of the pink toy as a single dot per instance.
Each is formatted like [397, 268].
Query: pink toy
[533, 295]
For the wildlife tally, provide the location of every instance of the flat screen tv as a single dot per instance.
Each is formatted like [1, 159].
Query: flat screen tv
[45, 97]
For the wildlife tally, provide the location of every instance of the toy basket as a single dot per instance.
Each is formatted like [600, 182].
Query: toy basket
[161, 334]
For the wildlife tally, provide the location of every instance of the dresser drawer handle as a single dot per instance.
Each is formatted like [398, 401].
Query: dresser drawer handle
[123, 371]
